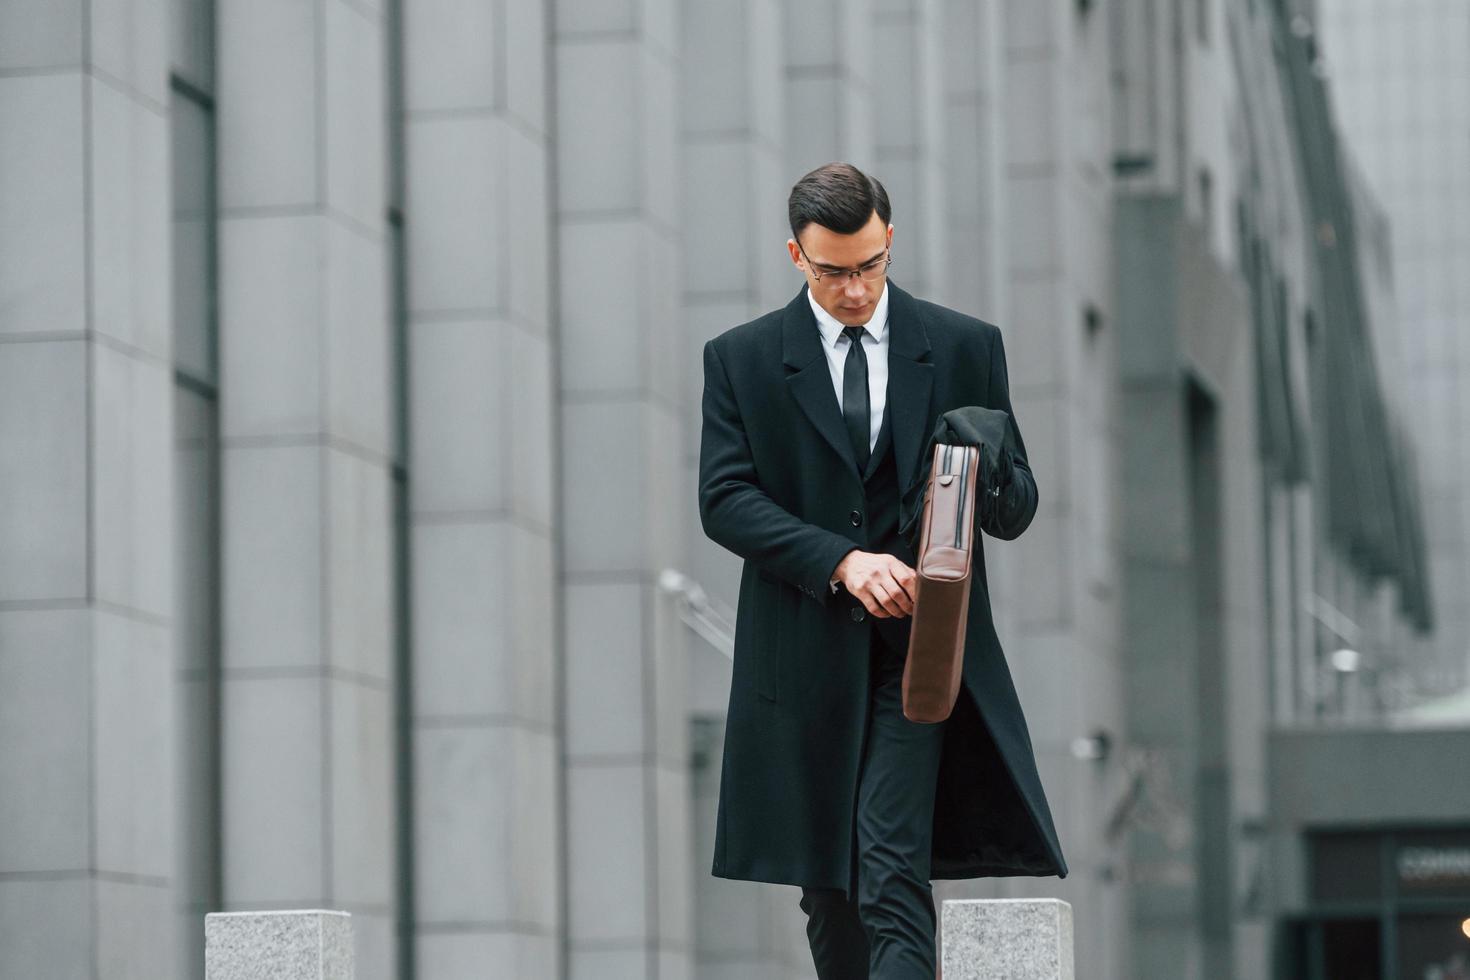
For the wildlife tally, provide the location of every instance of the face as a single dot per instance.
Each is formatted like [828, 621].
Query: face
[849, 299]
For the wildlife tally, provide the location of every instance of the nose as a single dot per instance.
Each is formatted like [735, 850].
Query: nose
[856, 289]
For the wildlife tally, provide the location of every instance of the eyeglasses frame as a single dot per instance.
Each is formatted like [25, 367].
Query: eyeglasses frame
[848, 273]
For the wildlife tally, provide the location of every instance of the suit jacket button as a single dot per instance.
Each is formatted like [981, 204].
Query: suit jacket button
[858, 612]
[856, 517]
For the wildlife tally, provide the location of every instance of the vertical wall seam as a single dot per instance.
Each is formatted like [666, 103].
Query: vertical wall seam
[323, 450]
[89, 470]
[214, 687]
[401, 490]
[551, 215]
[643, 207]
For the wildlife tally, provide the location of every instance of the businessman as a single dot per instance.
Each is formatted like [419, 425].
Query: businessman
[815, 418]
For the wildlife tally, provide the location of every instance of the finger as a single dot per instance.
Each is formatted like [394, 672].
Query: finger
[891, 602]
[903, 580]
[871, 602]
[906, 578]
[904, 595]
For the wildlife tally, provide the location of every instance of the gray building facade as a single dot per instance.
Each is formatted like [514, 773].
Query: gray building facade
[1400, 74]
[349, 420]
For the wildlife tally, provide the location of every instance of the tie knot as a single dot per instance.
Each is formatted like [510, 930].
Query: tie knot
[854, 334]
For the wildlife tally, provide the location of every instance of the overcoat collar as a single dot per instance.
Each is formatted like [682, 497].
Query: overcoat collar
[910, 379]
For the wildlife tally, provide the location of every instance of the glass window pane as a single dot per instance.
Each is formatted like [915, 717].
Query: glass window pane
[1434, 947]
[1346, 867]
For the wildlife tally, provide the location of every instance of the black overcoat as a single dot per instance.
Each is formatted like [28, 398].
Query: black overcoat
[777, 483]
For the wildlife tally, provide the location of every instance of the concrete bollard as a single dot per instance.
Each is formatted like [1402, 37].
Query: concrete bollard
[296, 944]
[1006, 939]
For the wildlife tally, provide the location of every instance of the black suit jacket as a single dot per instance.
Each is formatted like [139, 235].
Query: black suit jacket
[777, 483]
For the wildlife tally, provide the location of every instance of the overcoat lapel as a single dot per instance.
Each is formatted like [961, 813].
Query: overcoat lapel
[811, 384]
[910, 380]
[910, 385]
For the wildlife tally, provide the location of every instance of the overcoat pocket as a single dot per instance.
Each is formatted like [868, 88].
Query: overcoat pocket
[776, 608]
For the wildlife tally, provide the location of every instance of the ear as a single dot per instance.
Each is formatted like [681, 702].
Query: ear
[794, 252]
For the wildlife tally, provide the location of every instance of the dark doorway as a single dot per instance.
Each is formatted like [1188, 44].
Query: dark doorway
[1331, 949]
[1352, 949]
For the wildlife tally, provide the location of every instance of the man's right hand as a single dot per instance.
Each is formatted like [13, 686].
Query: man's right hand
[881, 582]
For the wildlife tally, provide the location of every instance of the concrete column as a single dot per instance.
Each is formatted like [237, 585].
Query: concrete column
[909, 136]
[735, 184]
[1062, 639]
[1190, 596]
[487, 810]
[620, 262]
[87, 713]
[832, 72]
[308, 618]
[972, 267]
[733, 213]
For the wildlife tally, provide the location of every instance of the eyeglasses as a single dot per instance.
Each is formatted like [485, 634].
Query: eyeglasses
[871, 272]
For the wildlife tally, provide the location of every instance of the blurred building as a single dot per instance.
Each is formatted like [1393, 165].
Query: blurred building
[1370, 822]
[1400, 75]
[349, 420]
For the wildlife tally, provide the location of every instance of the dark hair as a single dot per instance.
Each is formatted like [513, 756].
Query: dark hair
[838, 196]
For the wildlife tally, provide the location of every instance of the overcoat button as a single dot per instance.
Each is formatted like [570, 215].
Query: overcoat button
[858, 612]
[857, 518]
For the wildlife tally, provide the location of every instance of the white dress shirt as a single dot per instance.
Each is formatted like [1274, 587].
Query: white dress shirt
[875, 345]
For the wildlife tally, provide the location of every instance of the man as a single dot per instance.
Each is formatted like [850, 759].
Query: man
[815, 420]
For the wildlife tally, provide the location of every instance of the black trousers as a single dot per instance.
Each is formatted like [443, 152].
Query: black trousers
[886, 930]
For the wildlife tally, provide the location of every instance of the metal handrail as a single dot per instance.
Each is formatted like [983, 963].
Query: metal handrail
[710, 618]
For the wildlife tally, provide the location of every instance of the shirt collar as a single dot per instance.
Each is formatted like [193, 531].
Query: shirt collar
[831, 327]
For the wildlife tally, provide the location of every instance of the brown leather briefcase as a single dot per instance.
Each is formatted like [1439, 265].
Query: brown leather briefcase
[931, 674]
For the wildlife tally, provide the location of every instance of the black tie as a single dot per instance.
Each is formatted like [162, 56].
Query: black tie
[855, 395]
